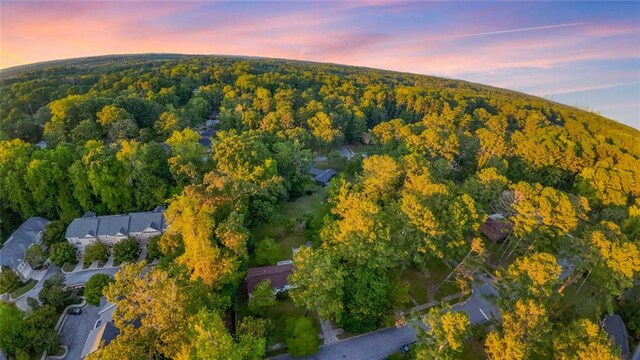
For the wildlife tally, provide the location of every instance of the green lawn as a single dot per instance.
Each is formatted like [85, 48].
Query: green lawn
[421, 286]
[473, 350]
[583, 303]
[283, 310]
[23, 289]
[68, 267]
[287, 227]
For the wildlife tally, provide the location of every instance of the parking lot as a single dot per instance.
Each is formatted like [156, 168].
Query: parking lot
[75, 330]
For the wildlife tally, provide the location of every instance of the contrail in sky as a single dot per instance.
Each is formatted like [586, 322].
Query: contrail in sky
[489, 33]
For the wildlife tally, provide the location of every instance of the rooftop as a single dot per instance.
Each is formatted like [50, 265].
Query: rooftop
[278, 274]
[14, 248]
[91, 225]
[614, 326]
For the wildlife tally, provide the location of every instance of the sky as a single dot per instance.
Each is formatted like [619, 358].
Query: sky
[585, 54]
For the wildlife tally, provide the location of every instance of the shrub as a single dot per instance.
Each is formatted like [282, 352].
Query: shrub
[153, 248]
[95, 252]
[62, 253]
[36, 255]
[126, 250]
[93, 288]
[302, 338]
[267, 252]
[9, 280]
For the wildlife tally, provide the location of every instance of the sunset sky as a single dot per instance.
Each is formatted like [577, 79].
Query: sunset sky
[578, 53]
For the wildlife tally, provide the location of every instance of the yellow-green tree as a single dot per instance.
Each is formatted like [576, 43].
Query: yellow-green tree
[446, 333]
[583, 339]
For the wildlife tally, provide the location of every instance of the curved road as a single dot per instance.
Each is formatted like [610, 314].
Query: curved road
[75, 278]
[380, 344]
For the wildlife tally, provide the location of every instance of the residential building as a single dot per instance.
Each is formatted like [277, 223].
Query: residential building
[614, 326]
[277, 274]
[496, 228]
[322, 177]
[103, 333]
[111, 229]
[27, 235]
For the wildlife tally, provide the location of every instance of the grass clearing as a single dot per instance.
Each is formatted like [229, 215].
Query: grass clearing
[286, 228]
[584, 303]
[23, 289]
[473, 350]
[422, 288]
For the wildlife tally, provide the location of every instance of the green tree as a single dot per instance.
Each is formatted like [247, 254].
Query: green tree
[96, 251]
[9, 280]
[302, 336]
[62, 253]
[54, 232]
[445, 336]
[126, 250]
[12, 329]
[267, 252]
[40, 331]
[35, 255]
[366, 291]
[54, 293]
[262, 299]
[94, 286]
[317, 283]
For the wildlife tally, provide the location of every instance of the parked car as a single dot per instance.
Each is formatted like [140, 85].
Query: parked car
[74, 311]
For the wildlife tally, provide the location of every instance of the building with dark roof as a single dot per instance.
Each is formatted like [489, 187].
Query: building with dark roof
[103, 333]
[205, 137]
[614, 326]
[277, 274]
[322, 177]
[28, 234]
[110, 229]
[496, 228]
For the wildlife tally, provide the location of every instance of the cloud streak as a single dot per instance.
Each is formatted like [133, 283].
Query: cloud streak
[489, 33]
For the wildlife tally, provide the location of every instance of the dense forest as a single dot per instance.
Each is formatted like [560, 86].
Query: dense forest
[121, 135]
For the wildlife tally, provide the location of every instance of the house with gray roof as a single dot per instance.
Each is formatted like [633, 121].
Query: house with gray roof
[103, 333]
[111, 229]
[617, 331]
[12, 253]
[322, 177]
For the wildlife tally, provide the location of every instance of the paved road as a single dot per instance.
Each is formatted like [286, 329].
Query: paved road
[76, 328]
[380, 344]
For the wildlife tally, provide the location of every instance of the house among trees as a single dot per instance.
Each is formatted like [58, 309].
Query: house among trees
[103, 333]
[277, 274]
[111, 229]
[41, 144]
[13, 251]
[322, 177]
[614, 326]
[205, 137]
[496, 228]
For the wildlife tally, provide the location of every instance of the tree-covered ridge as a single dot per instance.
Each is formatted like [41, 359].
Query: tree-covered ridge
[122, 135]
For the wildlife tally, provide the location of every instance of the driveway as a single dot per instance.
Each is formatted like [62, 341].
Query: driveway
[382, 343]
[75, 330]
[72, 279]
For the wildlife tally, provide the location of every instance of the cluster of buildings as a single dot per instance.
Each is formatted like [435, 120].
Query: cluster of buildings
[110, 229]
